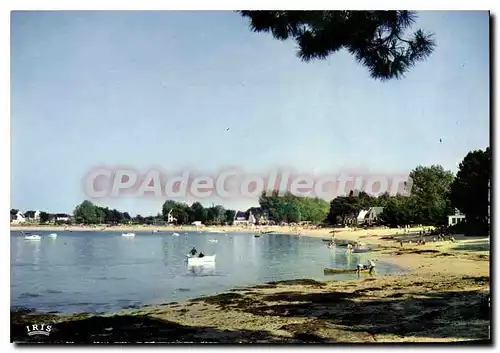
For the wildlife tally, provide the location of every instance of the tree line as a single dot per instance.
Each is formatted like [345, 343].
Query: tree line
[185, 214]
[435, 195]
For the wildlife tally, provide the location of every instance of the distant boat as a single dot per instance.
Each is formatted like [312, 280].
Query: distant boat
[213, 240]
[53, 235]
[256, 236]
[215, 231]
[128, 234]
[154, 231]
[32, 237]
[175, 234]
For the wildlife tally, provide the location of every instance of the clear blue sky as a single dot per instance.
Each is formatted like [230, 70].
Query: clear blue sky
[160, 88]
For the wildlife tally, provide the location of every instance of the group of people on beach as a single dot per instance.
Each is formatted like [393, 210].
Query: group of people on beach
[422, 241]
[369, 266]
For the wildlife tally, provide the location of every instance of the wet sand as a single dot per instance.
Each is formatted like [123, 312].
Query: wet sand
[445, 298]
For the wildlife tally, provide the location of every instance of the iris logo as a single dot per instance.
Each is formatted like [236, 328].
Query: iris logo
[36, 329]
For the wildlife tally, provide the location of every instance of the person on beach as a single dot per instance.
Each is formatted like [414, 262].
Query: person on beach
[370, 266]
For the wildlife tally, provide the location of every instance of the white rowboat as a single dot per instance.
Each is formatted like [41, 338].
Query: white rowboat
[196, 261]
[53, 235]
[128, 235]
[32, 237]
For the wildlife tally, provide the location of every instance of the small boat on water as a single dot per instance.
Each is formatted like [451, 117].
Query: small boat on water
[154, 231]
[215, 231]
[53, 236]
[360, 250]
[128, 234]
[196, 261]
[338, 271]
[256, 236]
[213, 241]
[32, 237]
[175, 234]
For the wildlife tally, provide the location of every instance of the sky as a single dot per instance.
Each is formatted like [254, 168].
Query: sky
[147, 89]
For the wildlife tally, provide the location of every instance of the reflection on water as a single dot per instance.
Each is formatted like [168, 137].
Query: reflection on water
[202, 270]
[100, 271]
[34, 248]
[348, 259]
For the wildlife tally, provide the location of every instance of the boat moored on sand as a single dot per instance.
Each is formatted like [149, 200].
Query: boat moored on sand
[338, 271]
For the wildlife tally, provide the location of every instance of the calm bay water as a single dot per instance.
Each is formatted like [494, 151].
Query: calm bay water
[105, 272]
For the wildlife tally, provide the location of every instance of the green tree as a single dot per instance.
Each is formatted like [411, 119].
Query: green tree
[292, 213]
[430, 194]
[345, 209]
[100, 216]
[168, 205]
[229, 216]
[44, 217]
[382, 200]
[183, 213]
[199, 212]
[470, 189]
[376, 39]
[216, 214]
[291, 208]
[398, 211]
[87, 213]
[340, 209]
[116, 216]
[138, 219]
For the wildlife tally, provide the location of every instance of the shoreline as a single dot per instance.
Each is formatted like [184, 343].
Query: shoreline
[451, 278]
[326, 232]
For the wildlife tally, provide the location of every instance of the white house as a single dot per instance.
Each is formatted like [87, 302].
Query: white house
[62, 217]
[458, 217]
[19, 218]
[170, 218]
[370, 215]
[240, 218]
[361, 216]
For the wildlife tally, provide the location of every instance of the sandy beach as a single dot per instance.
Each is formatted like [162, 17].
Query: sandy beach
[444, 298]
[343, 233]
